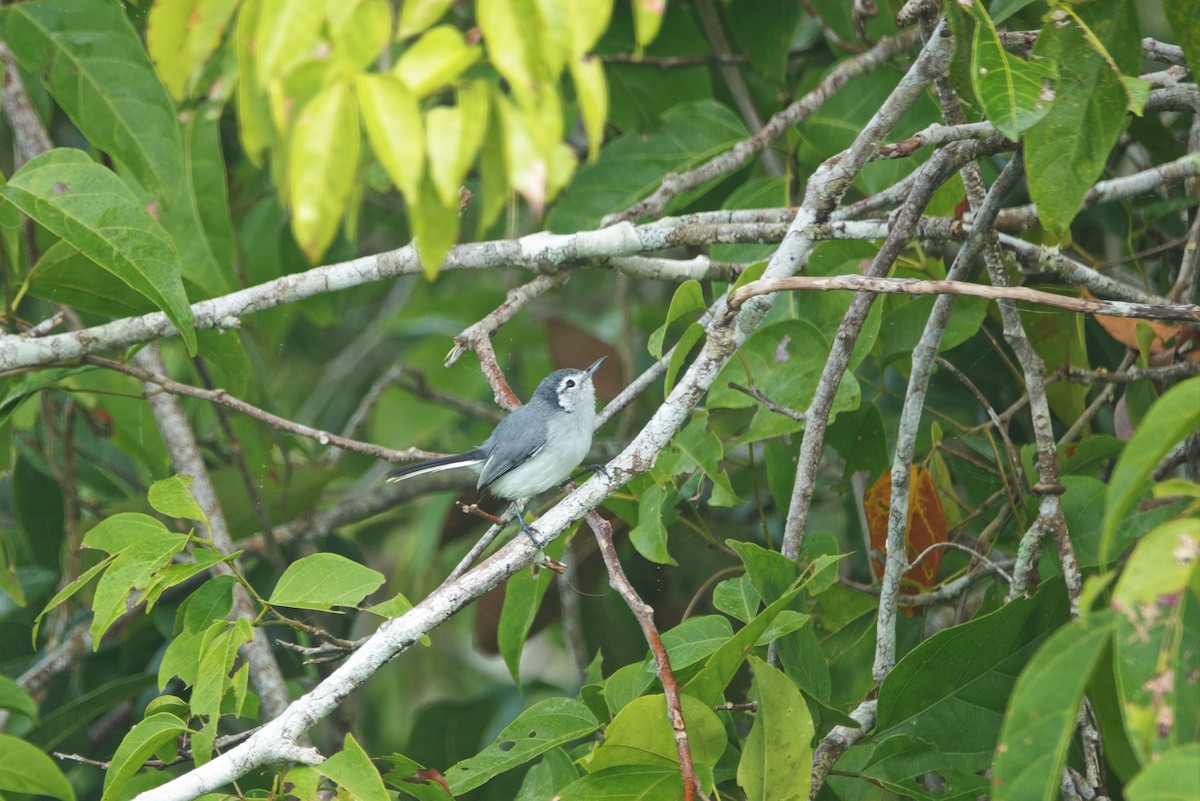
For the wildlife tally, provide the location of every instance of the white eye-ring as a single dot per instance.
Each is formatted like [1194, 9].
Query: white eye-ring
[570, 382]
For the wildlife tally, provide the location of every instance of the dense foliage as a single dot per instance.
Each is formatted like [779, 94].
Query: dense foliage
[901, 328]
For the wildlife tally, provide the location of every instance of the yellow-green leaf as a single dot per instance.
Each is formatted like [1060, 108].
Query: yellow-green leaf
[435, 226]
[286, 35]
[417, 15]
[436, 59]
[322, 163]
[588, 23]
[455, 134]
[393, 122]
[253, 113]
[360, 30]
[647, 20]
[592, 91]
[510, 30]
[181, 35]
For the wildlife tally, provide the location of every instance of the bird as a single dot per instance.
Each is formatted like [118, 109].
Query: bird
[532, 449]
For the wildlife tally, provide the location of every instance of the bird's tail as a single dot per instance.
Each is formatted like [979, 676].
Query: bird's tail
[468, 459]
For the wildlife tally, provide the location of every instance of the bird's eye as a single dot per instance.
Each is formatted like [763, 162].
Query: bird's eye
[570, 383]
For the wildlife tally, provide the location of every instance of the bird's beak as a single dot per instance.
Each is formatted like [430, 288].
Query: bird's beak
[595, 366]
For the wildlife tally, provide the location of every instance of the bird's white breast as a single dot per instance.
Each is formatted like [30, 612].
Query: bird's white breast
[568, 438]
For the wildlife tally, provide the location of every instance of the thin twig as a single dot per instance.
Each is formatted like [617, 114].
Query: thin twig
[770, 404]
[919, 286]
[645, 617]
[225, 399]
[742, 152]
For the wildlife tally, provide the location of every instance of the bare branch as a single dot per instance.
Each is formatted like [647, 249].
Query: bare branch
[918, 286]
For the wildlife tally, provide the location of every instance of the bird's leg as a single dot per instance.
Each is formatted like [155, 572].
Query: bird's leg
[530, 531]
[587, 471]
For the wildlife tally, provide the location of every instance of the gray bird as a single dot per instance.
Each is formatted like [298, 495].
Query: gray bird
[534, 448]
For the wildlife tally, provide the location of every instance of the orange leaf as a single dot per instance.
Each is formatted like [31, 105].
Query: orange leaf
[1168, 338]
[926, 527]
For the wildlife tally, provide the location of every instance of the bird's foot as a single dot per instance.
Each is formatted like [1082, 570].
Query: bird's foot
[587, 471]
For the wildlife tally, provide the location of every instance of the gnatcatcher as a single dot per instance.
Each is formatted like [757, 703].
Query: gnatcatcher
[534, 448]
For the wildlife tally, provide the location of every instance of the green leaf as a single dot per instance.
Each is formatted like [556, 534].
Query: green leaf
[898, 764]
[285, 35]
[181, 35]
[177, 573]
[771, 573]
[776, 759]
[1043, 711]
[641, 734]
[697, 446]
[523, 593]
[1162, 564]
[25, 769]
[395, 606]
[212, 601]
[1011, 90]
[218, 649]
[634, 164]
[360, 31]
[13, 697]
[133, 569]
[514, 42]
[591, 91]
[69, 590]
[181, 658]
[691, 336]
[197, 210]
[30, 384]
[965, 674]
[120, 531]
[255, 128]
[627, 683]
[543, 726]
[93, 210]
[658, 782]
[393, 122]
[1158, 639]
[692, 642]
[1172, 778]
[649, 536]
[322, 164]
[351, 769]
[417, 15]
[784, 361]
[142, 742]
[737, 598]
[1067, 150]
[435, 226]
[98, 72]
[325, 580]
[709, 684]
[1058, 338]
[688, 298]
[1185, 21]
[173, 498]
[647, 20]
[1169, 420]
[454, 136]
[434, 60]
[64, 275]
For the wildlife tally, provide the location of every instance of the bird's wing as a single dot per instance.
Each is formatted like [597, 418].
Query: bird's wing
[503, 448]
